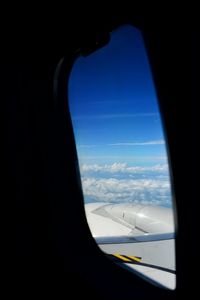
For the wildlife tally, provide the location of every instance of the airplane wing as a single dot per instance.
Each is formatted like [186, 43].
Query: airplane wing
[138, 237]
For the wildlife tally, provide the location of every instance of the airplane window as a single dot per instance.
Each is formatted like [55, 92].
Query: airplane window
[123, 158]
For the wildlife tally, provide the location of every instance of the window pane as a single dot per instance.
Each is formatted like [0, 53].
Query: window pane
[122, 156]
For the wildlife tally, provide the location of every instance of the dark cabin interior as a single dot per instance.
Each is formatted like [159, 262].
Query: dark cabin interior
[47, 246]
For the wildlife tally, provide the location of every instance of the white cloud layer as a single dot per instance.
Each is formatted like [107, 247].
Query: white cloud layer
[123, 168]
[127, 190]
[119, 182]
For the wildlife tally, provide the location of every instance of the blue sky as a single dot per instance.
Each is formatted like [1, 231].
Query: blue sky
[115, 112]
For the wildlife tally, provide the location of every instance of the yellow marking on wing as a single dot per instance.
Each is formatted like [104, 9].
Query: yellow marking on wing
[134, 258]
[122, 257]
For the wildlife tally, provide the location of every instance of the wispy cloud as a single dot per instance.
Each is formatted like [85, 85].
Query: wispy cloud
[87, 146]
[106, 102]
[147, 143]
[114, 116]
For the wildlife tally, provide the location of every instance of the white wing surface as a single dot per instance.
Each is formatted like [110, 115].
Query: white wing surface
[139, 237]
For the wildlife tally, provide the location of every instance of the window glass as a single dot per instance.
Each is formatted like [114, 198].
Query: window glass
[122, 156]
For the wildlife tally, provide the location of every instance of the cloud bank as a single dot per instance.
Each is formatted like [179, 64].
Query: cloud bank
[123, 168]
[119, 191]
[120, 183]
